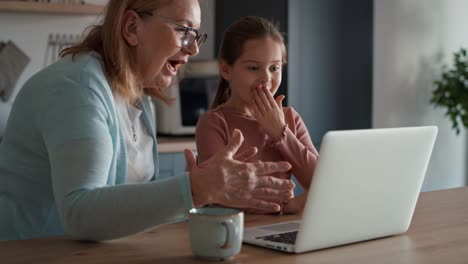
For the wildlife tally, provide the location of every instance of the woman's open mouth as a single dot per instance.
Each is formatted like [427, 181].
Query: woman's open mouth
[173, 65]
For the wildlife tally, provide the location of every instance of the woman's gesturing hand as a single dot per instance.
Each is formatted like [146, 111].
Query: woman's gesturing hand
[269, 112]
[224, 180]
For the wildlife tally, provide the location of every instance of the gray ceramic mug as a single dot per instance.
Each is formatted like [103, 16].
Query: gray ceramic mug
[216, 232]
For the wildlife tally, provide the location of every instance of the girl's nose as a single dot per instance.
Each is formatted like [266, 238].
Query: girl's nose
[265, 77]
[262, 82]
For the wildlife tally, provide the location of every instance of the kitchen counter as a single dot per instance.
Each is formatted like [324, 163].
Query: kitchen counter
[175, 144]
[172, 144]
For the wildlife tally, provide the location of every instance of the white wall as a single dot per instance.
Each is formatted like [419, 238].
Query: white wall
[30, 33]
[412, 39]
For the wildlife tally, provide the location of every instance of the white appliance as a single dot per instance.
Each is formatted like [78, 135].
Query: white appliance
[193, 92]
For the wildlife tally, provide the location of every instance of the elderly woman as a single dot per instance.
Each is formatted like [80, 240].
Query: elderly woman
[79, 154]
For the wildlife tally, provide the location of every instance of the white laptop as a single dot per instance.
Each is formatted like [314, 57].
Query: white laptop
[365, 186]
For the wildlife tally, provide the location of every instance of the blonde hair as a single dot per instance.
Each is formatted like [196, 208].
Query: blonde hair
[232, 45]
[107, 40]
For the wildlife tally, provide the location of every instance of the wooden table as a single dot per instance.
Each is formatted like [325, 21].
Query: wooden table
[438, 234]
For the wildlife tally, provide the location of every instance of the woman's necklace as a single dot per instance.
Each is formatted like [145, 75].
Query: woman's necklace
[132, 124]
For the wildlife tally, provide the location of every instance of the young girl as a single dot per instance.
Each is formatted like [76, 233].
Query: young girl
[251, 57]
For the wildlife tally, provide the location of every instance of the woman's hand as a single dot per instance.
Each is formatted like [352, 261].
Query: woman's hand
[269, 112]
[229, 182]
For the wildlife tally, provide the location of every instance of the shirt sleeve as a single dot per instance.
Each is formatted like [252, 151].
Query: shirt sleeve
[76, 132]
[210, 135]
[297, 148]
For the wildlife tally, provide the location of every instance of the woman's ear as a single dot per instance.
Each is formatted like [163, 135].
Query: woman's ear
[129, 27]
[225, 70]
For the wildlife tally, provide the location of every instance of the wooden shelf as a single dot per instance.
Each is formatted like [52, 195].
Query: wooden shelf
[50, 8]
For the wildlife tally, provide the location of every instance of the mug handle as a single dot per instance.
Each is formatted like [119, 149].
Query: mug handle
[231, 233]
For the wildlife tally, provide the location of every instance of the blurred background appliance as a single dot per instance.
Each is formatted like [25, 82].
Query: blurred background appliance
[193, 95]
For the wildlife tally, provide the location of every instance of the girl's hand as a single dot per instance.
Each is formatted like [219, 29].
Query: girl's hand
[295, 205]
[224, 180]
[269, 112]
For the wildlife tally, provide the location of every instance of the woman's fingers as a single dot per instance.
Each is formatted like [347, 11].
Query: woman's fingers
[233, 183]
[262, 205]
[227, 153]
[247, 154]
[191, 160]
[267, 168]
[271, 182]
[284, 195]
[234, 144]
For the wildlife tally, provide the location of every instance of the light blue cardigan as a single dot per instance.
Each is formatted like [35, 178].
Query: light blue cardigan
[63, 162]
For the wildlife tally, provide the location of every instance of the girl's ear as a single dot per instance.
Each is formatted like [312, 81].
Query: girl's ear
[130, 23]
[225, 70]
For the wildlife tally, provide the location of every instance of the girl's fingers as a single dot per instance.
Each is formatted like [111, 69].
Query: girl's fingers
[268, 98]
[263, 96]
[279, 101]
[259, 102]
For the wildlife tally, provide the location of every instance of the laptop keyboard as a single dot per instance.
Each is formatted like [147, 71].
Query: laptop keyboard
[286, 238]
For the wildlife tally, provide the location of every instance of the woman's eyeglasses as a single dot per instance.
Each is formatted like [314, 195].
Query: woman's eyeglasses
[189, 36]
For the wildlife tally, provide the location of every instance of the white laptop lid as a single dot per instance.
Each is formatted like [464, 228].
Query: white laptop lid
[366, 185]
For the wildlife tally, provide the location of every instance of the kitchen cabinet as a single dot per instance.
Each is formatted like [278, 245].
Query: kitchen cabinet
[171, 155]
[171, 164]
[50, 8]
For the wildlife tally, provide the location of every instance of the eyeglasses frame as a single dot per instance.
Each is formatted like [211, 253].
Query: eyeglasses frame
[198, 35]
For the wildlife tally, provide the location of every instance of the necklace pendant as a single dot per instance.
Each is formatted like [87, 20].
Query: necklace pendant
[132, 124]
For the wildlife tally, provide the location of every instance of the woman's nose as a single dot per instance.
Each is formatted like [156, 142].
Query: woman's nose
[192, 49]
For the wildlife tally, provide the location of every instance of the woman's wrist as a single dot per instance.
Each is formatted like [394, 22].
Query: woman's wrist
[199, 196]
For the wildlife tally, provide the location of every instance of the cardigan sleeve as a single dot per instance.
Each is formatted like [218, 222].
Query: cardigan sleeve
[77, 134]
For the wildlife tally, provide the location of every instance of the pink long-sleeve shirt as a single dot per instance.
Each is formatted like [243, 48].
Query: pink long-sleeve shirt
[215, 127]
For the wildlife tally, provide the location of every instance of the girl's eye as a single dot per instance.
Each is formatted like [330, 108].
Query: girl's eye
[275, 68]
[252, 68]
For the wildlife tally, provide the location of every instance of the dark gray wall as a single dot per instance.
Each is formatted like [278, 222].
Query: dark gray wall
[330, 64]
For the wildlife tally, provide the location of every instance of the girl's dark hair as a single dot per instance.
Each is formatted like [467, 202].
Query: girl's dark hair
[232, 44]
